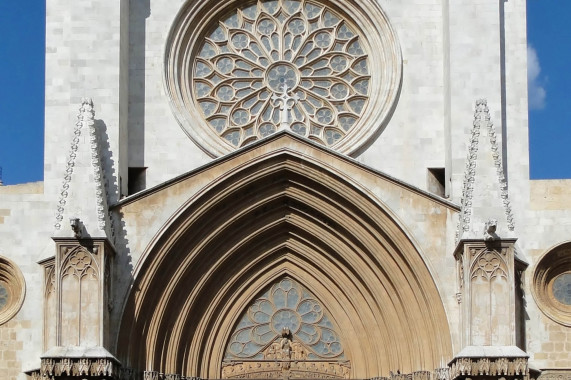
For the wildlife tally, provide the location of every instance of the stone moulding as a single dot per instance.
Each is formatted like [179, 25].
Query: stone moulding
[485, 366]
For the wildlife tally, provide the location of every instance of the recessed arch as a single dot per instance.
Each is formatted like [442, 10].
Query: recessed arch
[281, 215]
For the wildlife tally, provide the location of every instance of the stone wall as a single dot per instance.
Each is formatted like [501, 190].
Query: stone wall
[11, 348]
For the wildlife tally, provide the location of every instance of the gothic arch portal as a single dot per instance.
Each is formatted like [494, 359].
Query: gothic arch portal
[283, 215]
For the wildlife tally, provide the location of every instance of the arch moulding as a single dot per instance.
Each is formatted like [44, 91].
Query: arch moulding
[283, 216]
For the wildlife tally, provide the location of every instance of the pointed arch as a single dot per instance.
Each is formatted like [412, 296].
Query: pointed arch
[283, 214]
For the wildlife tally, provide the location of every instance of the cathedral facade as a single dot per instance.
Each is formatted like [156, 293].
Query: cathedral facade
[280, 189]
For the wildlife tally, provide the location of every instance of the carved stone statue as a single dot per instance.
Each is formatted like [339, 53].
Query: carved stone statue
[490, 229]
[285, 344]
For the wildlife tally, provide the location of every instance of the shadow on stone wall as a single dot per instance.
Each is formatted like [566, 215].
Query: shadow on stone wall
[123, 267]
[139, 11]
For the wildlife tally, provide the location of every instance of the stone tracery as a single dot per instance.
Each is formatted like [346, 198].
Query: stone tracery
[295, 48]
[288, 307]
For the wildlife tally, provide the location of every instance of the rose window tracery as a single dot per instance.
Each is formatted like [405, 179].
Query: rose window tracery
[286, 306]
[284, 64]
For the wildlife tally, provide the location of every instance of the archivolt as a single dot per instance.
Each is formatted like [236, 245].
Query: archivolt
[283, 216]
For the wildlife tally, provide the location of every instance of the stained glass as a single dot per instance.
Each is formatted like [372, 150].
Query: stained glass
[4, 296]
[562, 288]
[289, 48]
[286, 305]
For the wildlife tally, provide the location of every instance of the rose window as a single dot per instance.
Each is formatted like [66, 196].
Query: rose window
[236, 74]
[274, 65]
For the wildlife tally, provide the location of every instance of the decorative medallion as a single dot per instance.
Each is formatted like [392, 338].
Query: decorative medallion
[273, 65]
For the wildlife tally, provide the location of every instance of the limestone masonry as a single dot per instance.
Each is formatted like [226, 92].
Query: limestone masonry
[286, 189]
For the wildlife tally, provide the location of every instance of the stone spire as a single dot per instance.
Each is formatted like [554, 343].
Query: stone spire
[488, 269]
[82, 209]
[486, 212]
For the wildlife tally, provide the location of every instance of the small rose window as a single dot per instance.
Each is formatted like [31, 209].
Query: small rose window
[552, 284]
[12, 290]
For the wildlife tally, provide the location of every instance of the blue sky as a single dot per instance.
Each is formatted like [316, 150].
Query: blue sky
[22, 89]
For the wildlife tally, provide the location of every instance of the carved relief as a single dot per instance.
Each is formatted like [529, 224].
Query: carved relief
[441, 374]
[77, 367]
[490, 230]
[79, 264]
[489, 266]
[488, 367]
